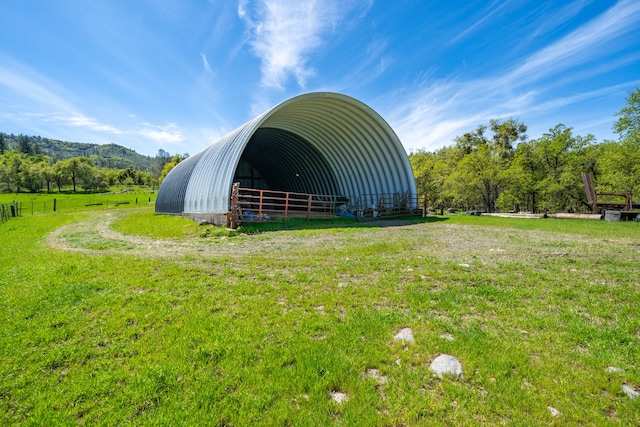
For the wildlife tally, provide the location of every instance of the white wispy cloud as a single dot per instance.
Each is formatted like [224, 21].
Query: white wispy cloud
[284, 33]
[491, 10]
[549, 21]
[30, 86]
[205, 63]
[579, 46]
[168, 133]
[431, 113]
[38, 99]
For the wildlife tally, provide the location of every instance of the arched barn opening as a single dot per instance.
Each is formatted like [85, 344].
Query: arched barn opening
[317, 148]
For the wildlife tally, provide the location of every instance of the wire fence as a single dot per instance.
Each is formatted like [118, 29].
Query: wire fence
[8, 210]
[27, 204]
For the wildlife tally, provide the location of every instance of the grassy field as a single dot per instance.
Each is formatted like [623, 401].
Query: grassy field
[118, 316]
[42, 203]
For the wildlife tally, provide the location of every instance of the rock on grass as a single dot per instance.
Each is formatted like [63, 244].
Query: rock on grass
[446, 365]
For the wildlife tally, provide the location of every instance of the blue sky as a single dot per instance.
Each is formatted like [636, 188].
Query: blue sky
[177, 75]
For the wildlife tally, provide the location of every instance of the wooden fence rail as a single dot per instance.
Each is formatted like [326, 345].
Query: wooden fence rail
[255, 205]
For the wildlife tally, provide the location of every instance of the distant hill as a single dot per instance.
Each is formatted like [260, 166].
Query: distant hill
[103, 155]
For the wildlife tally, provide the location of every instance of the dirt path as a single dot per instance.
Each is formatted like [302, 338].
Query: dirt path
[449, 242]
[94, 235]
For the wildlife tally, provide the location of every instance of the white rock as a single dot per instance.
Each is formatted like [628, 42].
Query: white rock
[630, 391]
[339, 396]
[554, 412]
[405, 335]
[464, 265]
[447, 337]
[375, 374]
[613, 370]
[445, 364]
[342, 285]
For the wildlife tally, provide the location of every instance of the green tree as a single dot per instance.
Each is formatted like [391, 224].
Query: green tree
[481, 175]
[506, 134]
[31, 175]
[4, 172]
[95, 180]
[76, 169]
[628, 123]
[60, 177]
[15, 164]
[618, 165]
[24, 145]
[170, 165]
[2, 144]
[563, 156]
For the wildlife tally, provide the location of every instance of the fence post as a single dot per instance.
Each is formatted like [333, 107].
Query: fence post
[54, 204]
[260, 204]
[286, 206]
[309, 208]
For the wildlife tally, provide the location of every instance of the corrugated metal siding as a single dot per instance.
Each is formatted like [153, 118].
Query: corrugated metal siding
[340, 145]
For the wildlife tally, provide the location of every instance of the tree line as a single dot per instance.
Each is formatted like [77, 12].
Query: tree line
[27, 169]
[496, 167]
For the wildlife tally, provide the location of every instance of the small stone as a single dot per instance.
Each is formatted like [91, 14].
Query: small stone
[554, 412]
[630, 391]
[320, 308]
[342, 285]
[375, 374]
[445, 364]
[409, 269]
[613, 370]
[447, 337]
[464, 265]
[398, 362]
[338, 396]
[405, 335]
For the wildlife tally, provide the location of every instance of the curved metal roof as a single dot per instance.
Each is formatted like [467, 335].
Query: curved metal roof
[320, 143]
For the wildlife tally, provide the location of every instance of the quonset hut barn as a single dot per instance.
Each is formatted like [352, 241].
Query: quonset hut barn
[316, 143]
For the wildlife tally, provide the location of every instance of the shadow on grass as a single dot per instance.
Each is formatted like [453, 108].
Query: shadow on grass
[338, 222]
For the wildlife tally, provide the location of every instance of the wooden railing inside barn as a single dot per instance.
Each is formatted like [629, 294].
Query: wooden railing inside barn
[254, 205]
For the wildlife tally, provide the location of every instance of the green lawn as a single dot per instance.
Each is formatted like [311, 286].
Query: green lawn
[116, 316]
[43, 203]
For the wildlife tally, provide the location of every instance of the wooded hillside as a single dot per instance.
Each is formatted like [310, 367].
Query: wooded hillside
[106, 155]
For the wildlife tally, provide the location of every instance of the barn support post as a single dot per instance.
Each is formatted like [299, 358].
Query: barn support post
[260, 203]
[286, 206]
[309, 208]
[233, 219]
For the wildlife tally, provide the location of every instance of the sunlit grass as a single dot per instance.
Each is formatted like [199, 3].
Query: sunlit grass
[259, 329]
